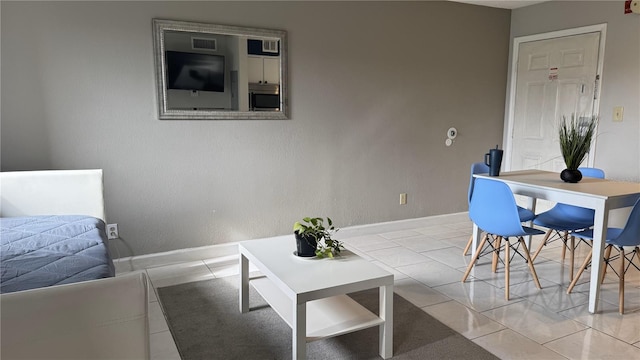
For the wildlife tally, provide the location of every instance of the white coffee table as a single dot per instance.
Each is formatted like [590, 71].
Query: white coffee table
[309, 294]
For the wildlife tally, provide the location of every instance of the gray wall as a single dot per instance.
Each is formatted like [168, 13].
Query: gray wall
[618, 143]
[373, 87]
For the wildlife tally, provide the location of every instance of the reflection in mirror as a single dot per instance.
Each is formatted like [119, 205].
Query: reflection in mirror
[206, 71]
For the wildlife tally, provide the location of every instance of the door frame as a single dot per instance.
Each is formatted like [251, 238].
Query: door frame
[513, 76]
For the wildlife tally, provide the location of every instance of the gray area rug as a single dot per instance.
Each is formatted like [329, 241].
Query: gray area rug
[206, 323]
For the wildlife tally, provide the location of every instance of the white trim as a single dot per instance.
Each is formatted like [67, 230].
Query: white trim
[512, 77]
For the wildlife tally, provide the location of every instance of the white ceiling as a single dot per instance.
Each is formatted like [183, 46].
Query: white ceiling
[504, 4]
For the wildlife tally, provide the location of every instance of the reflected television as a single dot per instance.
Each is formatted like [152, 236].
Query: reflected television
[193, 71]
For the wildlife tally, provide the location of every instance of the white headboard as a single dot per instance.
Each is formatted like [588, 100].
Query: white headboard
[52, 192]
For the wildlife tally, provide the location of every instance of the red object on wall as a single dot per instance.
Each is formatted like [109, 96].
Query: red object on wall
[627, 7]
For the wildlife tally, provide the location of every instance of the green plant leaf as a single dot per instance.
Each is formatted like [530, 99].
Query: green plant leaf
[314, 227]
[575, 138]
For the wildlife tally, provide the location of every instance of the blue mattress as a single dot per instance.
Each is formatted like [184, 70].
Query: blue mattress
[40, 251]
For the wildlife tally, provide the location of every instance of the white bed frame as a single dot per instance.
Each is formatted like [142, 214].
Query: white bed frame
[98, 319]
[52, 192]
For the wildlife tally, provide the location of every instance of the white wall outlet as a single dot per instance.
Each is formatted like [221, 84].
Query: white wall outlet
[403, 199]
[618, 113]
[112, 231]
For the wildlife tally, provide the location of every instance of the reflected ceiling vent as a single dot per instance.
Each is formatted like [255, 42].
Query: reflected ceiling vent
[270, 46]
[204, 44]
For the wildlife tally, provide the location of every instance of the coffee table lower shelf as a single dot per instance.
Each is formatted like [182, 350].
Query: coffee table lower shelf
[327, 317]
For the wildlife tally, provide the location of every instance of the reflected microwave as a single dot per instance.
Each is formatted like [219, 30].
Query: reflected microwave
[264, 97]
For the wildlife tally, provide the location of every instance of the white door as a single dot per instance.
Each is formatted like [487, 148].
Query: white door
[555, 78]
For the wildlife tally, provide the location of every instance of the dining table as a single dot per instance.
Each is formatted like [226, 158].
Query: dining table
[601, 195]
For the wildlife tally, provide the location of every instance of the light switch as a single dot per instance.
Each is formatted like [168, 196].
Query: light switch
[618, 113]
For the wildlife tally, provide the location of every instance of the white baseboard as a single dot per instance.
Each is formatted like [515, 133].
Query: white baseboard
[146, 261]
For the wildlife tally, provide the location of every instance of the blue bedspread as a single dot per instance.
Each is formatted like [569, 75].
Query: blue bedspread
[39, 251]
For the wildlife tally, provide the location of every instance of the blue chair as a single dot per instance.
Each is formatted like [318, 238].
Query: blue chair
[563, 219]
[629, 236]
[482, 168]
[493, 208]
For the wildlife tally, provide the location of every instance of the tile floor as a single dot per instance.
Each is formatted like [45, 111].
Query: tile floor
[425, 255]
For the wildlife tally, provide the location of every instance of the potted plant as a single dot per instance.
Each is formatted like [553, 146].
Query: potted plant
[314, 239]
[575, 142]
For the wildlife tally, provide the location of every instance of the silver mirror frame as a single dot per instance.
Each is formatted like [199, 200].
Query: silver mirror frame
[164, 113]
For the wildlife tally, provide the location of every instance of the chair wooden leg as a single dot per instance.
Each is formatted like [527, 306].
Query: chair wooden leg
[530, 262]
[475, 257]
[542, 244]
[621, 287]
[496, 253]
[469, 243]
[572, 256]
[506, 269]
[564, 241]
[580, 271]
[607, 255]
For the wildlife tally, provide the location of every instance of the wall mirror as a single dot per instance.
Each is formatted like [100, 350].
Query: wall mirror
[211, 72]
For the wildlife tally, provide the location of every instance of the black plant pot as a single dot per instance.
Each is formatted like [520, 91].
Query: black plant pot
[571, 176]
[305, 245]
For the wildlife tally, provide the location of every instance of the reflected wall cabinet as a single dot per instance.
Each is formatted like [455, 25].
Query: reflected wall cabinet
[264, 70]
